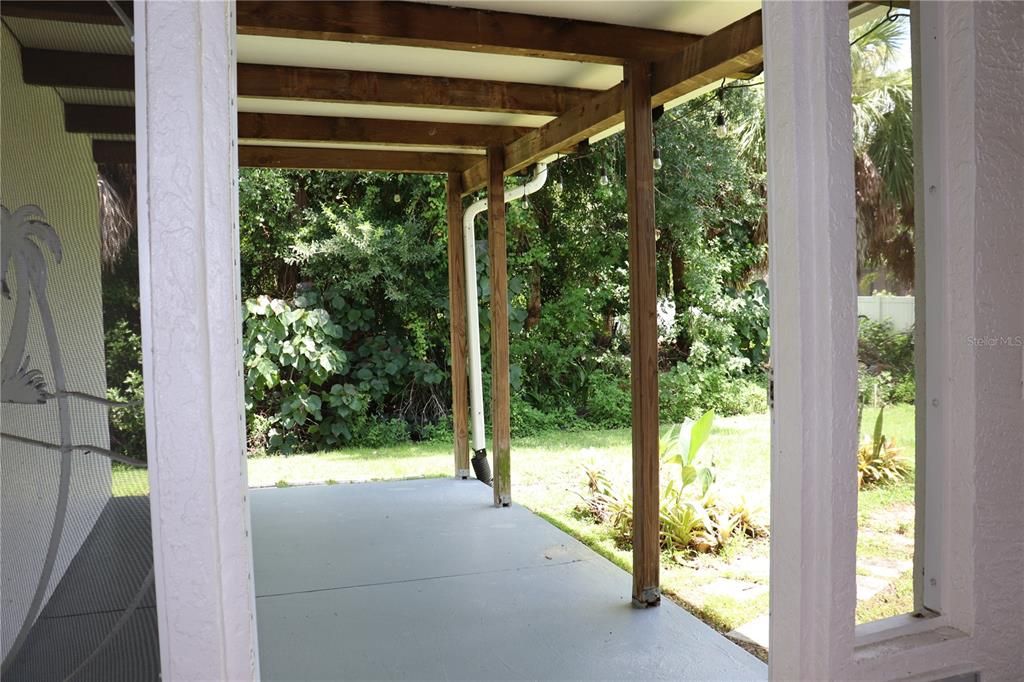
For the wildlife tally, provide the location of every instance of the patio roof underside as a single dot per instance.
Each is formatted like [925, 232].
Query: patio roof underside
[405, 86]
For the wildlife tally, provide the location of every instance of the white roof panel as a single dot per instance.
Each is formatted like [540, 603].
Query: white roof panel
[401, 113]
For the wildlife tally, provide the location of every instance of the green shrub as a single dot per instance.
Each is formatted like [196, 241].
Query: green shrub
[527, 420]
[886, 358]
[123, 348]
[258, 434]
[380, 432]
[905, 390]
[128, 423]
[314, 375]
[741, 396]
[685, 390]
[441, 431]
[608, 402]
[750, 321]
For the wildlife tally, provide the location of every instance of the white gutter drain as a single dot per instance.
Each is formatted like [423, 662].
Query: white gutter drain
[476, 384]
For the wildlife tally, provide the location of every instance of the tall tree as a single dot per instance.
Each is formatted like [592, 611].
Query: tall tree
[882, 103]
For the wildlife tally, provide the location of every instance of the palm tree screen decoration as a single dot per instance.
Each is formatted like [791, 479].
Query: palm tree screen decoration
[25, 237]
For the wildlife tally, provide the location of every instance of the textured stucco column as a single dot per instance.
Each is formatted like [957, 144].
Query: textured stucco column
[191, 329]
[814, 335]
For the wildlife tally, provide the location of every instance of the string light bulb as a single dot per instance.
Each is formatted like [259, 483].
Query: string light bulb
[720, 130]
[605, 181]
[657, 159]
[398, 198]
[526, 201]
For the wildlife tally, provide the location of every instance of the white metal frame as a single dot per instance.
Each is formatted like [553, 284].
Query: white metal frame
[191, 328]
[810, 203]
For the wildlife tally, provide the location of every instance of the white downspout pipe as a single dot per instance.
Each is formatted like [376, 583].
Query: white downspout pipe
[476, 381]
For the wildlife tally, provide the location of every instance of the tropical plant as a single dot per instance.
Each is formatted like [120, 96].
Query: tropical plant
[608, 503]
[693, 515]
[679, 450]
[879, 460]
[318, 377]
[884, 151]
[882, 101]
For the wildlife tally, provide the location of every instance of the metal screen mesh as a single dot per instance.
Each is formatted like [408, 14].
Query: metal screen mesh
[75, 540]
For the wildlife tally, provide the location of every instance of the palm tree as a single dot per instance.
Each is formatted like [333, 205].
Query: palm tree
[883, 151]
[22, 232]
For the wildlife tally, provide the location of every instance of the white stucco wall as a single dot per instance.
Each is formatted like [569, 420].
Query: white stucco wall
[969, 85]
[190, 303]
[998, 348]
[42, 165]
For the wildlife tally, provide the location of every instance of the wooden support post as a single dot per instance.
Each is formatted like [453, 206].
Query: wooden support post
[457, 317]
[500, 395]
[643, 332]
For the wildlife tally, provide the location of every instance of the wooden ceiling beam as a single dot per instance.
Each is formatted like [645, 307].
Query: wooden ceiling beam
[110, 151]
[97, 119]
[58, 68]
[353, 159]
[79, 12]
[734, 48]
[418, 24]
[373, 131]
[737, 47]
[370, 87]
[257, 156]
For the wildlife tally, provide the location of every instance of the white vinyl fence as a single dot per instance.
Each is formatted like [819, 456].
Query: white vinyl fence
[897, 309]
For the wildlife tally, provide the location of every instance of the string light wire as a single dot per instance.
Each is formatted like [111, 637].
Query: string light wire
[890, 16]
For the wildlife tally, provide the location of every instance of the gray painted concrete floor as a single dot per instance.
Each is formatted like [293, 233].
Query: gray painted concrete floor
[427, 580]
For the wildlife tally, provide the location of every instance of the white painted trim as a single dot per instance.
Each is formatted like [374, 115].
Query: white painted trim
[191, 327]
[810, 637]
[809, 132]
[945, 82]
[945, 183]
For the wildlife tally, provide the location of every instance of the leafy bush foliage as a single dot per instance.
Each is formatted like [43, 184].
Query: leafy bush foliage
[527, 420]
[694, 516]
[315, 375]
[750, 321]
[879, 460]
[684, 389]
[608, 401]
[123, 346]
[128, 422]
[368, 251]
[886, 359]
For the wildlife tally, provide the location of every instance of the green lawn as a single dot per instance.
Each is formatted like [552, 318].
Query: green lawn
[548, 478]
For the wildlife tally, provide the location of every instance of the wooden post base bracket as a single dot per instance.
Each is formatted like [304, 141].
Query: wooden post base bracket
[650, 598]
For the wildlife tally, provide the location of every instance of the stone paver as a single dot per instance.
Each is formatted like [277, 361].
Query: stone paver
[755, 631]
[737, 589]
